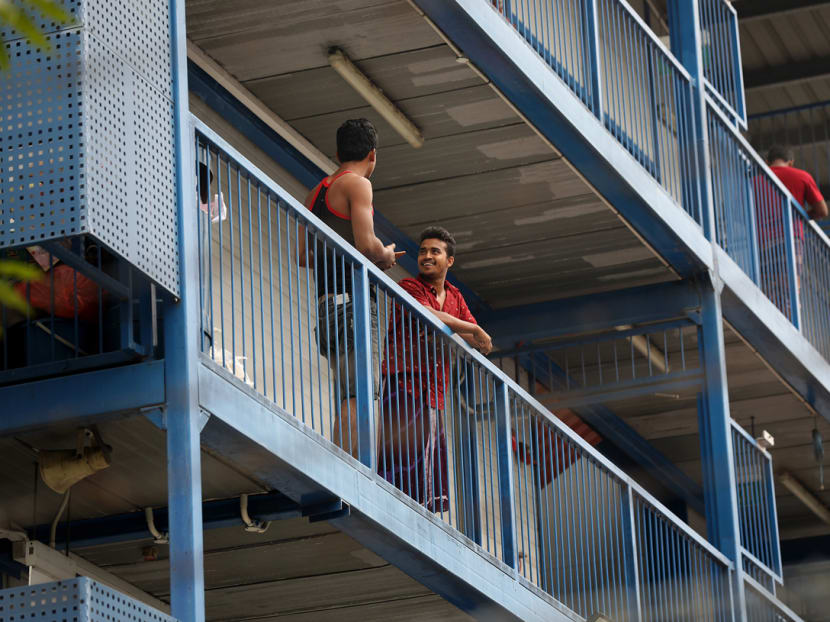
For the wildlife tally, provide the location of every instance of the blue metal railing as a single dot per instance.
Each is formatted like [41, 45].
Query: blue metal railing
[431, 416]
[756, 505]
[760, 225]
[751, 217]
[584, 369]
[86, 309]
[812, 260]
[762, 606]
[722, 57]
[624, 74]
[805, 129]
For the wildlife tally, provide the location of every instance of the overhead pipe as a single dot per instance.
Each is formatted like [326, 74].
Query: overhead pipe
[805, 496]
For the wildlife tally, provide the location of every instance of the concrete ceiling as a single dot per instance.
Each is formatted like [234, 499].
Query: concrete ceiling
[528, 228]
[526, 224]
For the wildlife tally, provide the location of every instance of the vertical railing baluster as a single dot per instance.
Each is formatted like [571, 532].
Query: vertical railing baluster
[792, 265]
[592, 58]
[364, 393]
[505, 474]
[630, 554]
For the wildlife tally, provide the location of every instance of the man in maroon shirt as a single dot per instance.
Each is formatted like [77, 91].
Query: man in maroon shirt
[413, 450]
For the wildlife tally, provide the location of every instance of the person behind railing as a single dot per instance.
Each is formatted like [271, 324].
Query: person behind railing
[800, 183]
[769, 210]
[343, 201]
[413, 448]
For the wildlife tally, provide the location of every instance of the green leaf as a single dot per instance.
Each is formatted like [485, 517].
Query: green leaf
[20, 271]
[15, 17]
[11, 299]
[50, 8]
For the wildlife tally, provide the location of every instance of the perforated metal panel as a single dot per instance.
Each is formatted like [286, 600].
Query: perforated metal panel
[87, 135]
[136, 30]
[76, 600]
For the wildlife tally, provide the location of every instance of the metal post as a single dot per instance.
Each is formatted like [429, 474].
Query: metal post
[364, 397]
[593, 62]
[506, 501]
[775, 541]
[630, 562]
[181, 323]
[684, 26]
[720, 492]
[792, 267]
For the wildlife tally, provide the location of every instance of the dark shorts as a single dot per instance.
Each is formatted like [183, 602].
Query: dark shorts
[335, 340]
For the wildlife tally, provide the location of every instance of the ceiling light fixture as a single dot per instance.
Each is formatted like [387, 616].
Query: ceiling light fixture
[367, 89]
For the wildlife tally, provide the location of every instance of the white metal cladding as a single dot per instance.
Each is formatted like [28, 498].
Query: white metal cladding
[75, 600]
[87, 135]
[137, 30]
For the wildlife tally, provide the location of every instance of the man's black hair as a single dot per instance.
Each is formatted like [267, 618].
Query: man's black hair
[439, 233]
[780, 152]
[355, 139]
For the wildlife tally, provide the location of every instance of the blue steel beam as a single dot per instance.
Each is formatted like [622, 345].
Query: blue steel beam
[83, 398]
[524, 78]
[279, 450]
[752, 315]
[716, 450]
[132, 526]
[624, 440]
[184, 467]
[680, 381]
[582, 314]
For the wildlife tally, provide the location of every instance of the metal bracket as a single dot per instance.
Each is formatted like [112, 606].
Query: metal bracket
[77, 262]
[251, 525]
[325, 509]
[158, 537]
[204, 417]
[694, 316]
[158, 417]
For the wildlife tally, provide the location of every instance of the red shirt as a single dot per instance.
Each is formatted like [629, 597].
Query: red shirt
[420, 368]
[800, 184]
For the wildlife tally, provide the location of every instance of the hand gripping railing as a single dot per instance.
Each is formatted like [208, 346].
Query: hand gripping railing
[625, 75]
[435, 420]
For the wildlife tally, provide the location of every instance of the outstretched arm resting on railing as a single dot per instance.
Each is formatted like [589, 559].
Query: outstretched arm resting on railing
[468, 331]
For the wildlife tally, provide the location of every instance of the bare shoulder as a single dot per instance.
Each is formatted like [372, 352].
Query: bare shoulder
[357, 186]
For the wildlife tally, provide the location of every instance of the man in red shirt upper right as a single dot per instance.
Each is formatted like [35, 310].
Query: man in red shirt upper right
[770, 207]
[800, 183]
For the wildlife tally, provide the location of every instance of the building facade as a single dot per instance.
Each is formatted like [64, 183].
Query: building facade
[644, 443]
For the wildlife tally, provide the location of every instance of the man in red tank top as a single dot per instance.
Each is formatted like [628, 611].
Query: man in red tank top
[343, 201]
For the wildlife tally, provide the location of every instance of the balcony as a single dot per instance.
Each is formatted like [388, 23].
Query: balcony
[568, 475]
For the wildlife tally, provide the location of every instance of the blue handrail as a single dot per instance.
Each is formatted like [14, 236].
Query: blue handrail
[625, 75]
[763, 228]
[487, 458]
[756, 504]
[721, 56]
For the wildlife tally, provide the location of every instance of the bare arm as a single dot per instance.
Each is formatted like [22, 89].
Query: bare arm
[302, 255]
[818, 210]
[469, 332]
[359, 193]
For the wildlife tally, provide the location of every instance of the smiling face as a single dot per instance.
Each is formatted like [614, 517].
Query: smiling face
[433, 261]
